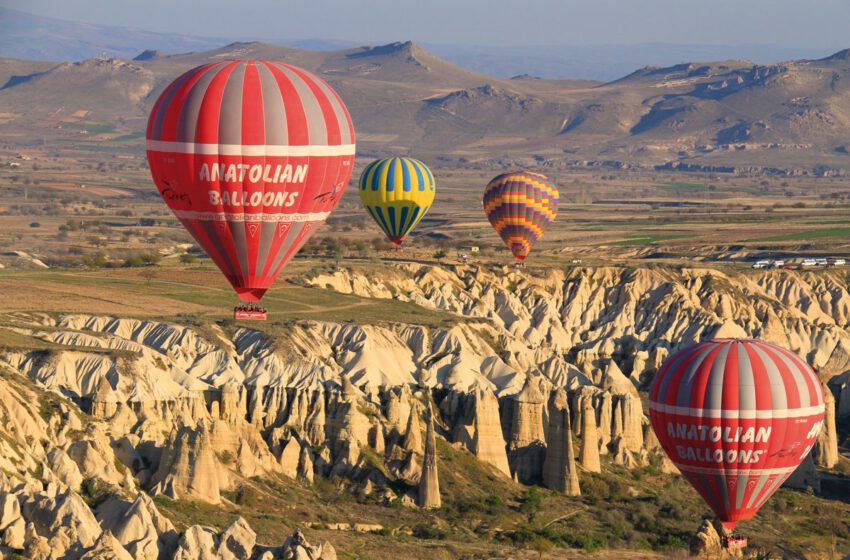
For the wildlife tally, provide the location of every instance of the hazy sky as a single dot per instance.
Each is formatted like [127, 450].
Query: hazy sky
[795, 23]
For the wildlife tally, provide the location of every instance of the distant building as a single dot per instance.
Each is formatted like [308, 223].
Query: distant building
[468, 249]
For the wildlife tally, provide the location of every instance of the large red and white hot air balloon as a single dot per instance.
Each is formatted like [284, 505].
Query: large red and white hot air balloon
[736, 417]
[251, 156]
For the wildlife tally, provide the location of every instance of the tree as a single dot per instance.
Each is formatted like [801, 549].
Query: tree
[148, 274]
[440, 254]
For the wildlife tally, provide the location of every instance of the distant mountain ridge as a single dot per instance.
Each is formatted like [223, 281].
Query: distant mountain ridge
[724, 115]
[29, 36]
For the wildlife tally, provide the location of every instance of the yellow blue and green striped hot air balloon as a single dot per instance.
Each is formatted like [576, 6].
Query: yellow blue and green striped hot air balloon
[397, 192]
[519, 206]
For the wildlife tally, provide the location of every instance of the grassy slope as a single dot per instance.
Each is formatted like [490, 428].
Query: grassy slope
[622, 513]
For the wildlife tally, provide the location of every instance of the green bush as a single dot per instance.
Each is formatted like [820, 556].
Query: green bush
[426, 531]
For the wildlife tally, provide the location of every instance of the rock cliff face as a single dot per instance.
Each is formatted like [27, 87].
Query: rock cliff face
[533, 364]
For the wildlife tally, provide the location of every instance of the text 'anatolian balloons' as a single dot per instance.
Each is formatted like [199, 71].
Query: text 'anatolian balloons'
[251, 156]
[736, 417]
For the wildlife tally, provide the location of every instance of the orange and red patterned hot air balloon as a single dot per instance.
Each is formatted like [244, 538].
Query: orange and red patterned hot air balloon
[520, 205]
[251, 156]
[736, 417]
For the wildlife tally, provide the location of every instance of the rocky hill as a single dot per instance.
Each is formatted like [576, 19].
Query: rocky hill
[710, 115]
[128, 438]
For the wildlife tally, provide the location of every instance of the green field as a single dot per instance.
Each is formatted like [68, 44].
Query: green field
[161, 293]
[92, 127]
[652, 238]
[681, 187]
[807, 235]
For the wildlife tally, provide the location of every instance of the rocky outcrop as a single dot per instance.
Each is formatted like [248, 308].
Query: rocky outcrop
[559, 468]
[188, 468]
[589, 454]
[296, 547]
[487, 443]
[527, 446]
[429, 482]
[825, 451]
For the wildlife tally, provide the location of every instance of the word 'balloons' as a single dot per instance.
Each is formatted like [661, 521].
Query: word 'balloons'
[397, 192]
[736, 417]
[251, 156]
[520, 205]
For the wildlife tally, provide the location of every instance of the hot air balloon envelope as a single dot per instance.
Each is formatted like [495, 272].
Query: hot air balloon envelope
[520, 205]
[736, 417]
[397, 192]
[251, 156]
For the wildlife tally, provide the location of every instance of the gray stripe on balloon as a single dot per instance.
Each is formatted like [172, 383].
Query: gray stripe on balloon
[757, 490]
[714, 388]
[746, 379]
[276, 127]
[741, 485]
[214, 234]
[683, 396]
[230, 113]
[187, 123]
[162, 110]
[778, 396]
[267, 234]
[316, 128]
[291, 236]
[339, 111]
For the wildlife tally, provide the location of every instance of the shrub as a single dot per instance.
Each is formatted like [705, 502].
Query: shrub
[425, 531]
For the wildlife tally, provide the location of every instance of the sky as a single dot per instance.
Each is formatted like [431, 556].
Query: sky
[787, 23]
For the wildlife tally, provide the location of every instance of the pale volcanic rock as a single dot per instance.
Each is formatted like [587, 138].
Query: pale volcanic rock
[237, 541]
[825, 451]
[108, 547]
[487, 442]
[138, 526]
[527, 444]
[36, 547]
[429, 482]
[14, 533]
[589, 454]
[559, 469]
[614, 381]
[95, 459]
[188, 468]
[12, 523]
[65, 520]
[104, 401]
[290, 458]
[198, 543]
[606, 421]
[296, 547]
[65, 468]
[229, 404]
[706, 542]
[631, 412]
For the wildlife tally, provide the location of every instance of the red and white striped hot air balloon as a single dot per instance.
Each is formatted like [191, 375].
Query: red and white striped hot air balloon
[736, 417]
[251, 156]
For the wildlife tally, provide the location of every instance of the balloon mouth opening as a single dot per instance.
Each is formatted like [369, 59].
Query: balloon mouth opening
[250, 294]
[520, 258]
[729, 525]
[397, 241]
